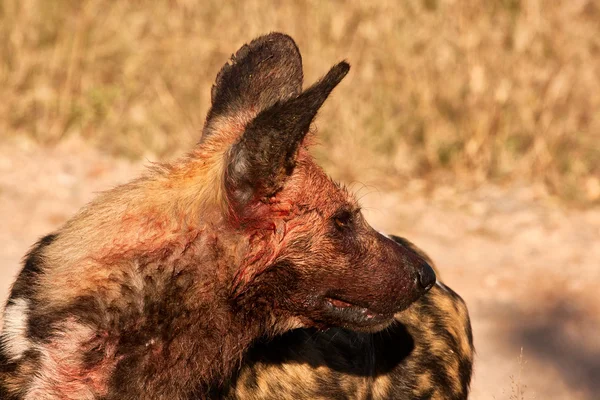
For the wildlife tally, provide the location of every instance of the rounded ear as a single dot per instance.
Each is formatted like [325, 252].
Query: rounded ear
[259, 74]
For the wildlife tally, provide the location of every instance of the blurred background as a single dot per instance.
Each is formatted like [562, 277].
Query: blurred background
[472, 128]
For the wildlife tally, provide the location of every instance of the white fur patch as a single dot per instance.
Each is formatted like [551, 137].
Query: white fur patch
[442, 286]
[14, 333]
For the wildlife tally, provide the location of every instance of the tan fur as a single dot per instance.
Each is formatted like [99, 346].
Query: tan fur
[380, 388]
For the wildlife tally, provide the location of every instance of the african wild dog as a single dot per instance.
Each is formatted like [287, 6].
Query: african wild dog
[427, 353]
[157, 288]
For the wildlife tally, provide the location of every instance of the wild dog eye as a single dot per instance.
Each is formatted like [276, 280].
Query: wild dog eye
[343, 219]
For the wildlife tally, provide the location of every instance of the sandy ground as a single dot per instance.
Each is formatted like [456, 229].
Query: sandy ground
[528, 268]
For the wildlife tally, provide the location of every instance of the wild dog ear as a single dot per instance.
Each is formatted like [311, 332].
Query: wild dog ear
[259, 74]
[266, 153]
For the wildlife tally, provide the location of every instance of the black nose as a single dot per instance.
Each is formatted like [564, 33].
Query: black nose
[426, 276]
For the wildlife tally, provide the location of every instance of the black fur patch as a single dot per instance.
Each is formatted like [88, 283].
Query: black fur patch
[25, 285]
[43, 326]
[364, 355]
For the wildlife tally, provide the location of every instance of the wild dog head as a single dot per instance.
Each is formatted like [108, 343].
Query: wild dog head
[310, 253]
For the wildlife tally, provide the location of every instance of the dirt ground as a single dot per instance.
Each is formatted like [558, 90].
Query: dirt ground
[528, 268]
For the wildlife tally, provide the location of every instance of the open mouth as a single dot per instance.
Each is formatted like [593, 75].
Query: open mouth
[354, 315]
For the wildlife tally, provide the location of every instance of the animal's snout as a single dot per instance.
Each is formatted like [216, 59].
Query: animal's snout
[426, 275]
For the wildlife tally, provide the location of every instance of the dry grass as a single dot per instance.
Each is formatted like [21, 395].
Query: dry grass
[470, 91]
[517, 385]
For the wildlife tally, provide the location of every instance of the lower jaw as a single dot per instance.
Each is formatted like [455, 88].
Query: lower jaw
[329, 322]
[358, 318]
[373, 328]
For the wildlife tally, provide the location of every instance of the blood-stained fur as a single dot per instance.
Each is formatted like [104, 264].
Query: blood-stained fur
[427, 353]
[157, 289]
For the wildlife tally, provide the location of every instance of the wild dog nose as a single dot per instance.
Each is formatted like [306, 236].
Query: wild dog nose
[426, 276]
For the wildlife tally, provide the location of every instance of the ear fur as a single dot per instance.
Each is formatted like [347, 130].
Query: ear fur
[259, 74]
[266, 153]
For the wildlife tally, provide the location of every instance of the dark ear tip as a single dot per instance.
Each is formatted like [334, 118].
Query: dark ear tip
[338, 72]
[343, 66]
[281, 38]
[277, 43]
[272, 43]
